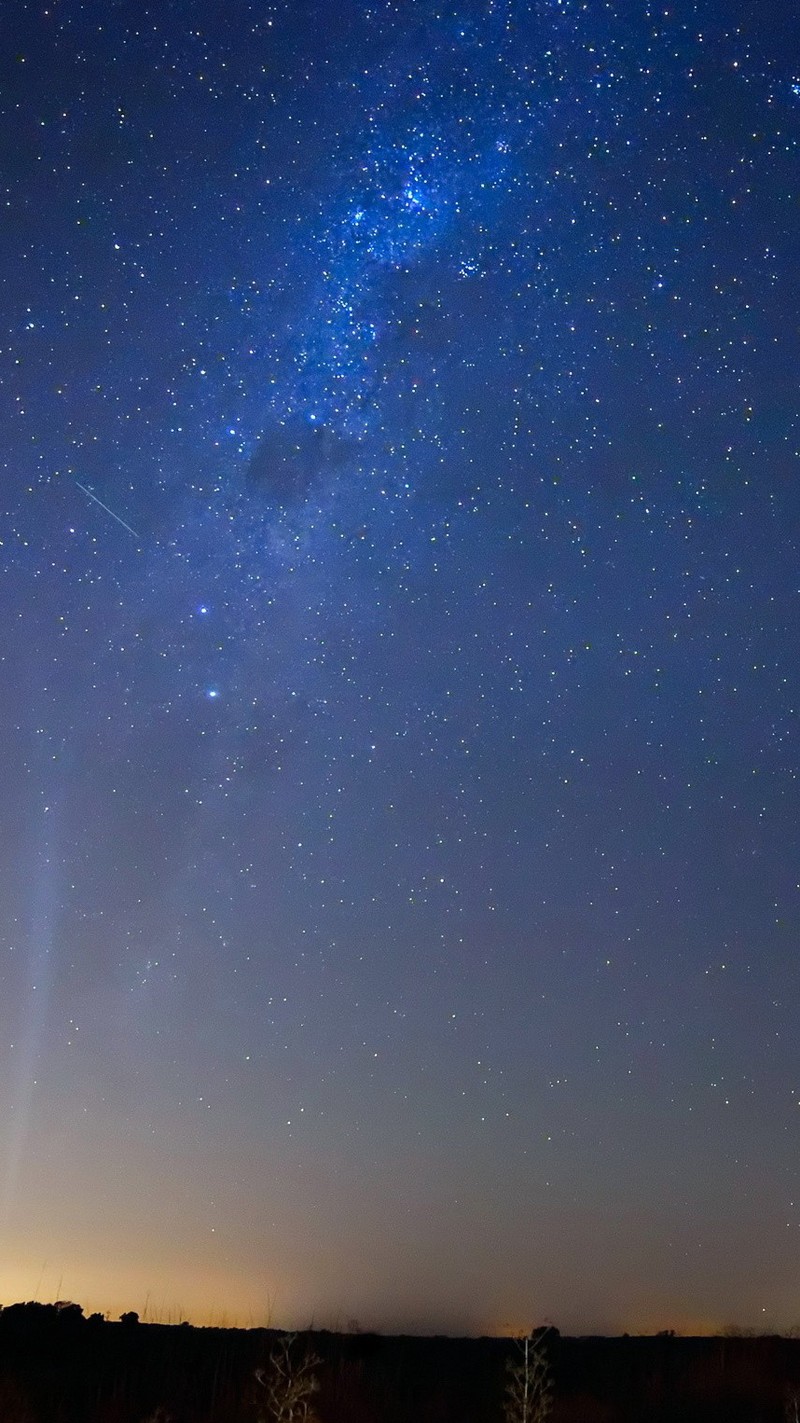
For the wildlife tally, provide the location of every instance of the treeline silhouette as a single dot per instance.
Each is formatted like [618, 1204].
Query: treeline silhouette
[57, 1366]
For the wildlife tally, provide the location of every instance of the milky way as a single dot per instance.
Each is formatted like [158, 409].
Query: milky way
[399, 579]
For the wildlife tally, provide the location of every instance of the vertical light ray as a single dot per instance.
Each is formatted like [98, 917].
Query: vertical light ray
[34, 990]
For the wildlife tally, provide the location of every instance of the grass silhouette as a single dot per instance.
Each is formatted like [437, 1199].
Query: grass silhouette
[57, 1366]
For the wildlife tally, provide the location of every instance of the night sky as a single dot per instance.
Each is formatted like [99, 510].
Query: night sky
[399, 528]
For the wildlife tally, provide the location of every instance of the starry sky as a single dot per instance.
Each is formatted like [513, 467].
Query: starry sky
[398, 661]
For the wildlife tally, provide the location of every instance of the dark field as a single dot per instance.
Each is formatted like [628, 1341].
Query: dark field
[58, 1367]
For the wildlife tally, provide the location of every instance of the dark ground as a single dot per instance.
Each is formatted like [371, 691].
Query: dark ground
[58, 1367]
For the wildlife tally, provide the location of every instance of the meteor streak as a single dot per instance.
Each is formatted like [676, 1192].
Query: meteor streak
[90, 495]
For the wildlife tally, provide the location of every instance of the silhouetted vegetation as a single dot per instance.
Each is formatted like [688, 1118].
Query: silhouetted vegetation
[529, 1382]
[56, 1366]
